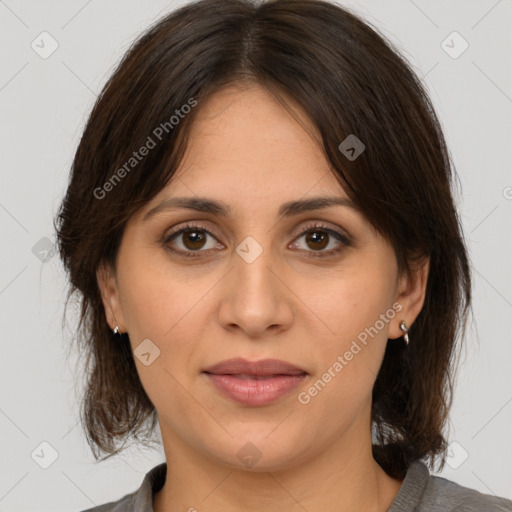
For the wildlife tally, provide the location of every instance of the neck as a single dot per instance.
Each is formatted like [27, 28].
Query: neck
[342, 477]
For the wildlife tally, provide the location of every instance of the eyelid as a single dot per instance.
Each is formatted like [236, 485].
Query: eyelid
[187, 226]
[323, 225]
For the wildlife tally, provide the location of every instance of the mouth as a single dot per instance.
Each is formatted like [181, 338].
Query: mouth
[255, 383]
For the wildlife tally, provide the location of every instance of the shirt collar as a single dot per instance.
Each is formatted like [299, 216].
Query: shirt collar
[152, 483]
[412, 489]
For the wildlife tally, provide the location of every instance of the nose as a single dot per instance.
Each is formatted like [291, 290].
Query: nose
[255, 298]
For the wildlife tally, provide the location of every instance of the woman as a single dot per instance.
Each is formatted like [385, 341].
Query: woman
[260, 223]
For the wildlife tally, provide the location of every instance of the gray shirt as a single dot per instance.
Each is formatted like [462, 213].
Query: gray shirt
[420, 492]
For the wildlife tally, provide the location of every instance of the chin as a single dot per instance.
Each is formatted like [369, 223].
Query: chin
[260, 452]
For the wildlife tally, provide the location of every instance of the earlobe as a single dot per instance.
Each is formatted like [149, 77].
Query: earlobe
[107, 284]
[411, 295]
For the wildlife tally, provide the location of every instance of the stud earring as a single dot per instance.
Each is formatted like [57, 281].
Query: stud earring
[116, 328]
[405, 331]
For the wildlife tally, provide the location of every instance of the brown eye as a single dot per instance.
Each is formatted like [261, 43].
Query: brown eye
[193, 239]
[318, 239]
[190, 240]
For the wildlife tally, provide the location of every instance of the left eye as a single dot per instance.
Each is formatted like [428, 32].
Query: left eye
[320, 237]
[191, 240]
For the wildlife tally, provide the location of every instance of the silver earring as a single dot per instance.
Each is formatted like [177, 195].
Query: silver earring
[405, 331]
[116, 328]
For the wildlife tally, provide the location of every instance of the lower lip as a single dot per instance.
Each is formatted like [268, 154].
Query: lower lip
[253, 392]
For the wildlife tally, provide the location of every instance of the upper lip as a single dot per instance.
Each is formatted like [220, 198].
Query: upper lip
[240, 366]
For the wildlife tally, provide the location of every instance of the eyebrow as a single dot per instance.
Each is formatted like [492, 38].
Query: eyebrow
[207, 205]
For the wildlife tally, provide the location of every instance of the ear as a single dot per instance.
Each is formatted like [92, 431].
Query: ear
[412, 286]
[108, 287]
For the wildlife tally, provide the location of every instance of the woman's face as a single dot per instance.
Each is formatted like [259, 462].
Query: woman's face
[251, 284]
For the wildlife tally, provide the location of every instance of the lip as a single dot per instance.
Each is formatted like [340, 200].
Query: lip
[264, 367]
[255, 383]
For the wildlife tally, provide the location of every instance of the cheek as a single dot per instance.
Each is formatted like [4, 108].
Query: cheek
[347, 302]
[163, 308]
[157, 299]
[354, 311]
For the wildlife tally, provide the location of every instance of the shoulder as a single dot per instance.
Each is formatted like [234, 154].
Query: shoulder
[125, 504]
[422, 492]
[443, 494]
[140, 500]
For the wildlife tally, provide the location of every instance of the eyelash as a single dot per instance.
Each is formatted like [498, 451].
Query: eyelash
[309, 228]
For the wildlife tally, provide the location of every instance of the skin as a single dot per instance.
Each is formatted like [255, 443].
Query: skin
[249, 152]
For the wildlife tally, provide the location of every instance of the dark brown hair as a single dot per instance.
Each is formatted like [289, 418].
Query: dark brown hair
[349, 80]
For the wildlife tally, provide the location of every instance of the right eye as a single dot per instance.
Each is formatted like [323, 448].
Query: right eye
[192, 239]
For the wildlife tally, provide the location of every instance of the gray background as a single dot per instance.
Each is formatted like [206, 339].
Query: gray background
[44, 104]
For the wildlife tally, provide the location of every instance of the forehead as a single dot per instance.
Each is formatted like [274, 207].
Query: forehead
[244, 145]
